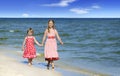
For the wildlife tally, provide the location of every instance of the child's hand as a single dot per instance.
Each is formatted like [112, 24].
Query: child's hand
[41, 45]
[61, 43]
[22, 49]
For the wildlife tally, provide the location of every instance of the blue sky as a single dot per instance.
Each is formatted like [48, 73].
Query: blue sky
[60, 8]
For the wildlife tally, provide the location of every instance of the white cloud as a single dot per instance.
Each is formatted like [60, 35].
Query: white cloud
[25, 15]
[96, 6]
[79, 11]
[84, 10]
[62, 3]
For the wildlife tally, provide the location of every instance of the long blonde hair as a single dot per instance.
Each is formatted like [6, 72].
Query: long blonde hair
[52, 26]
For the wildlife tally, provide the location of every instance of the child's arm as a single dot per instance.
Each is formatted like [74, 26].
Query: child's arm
[23, 45]
[58, 37]
[44, 37]
[37, 42]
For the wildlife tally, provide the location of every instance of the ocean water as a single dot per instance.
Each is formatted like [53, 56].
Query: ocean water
[91, 43]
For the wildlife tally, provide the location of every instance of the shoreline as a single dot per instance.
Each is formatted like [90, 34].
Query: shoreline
[17, 63]
[40, 64]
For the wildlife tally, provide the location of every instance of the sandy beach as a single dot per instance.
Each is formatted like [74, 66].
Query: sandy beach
[12, 64]
[11, 67]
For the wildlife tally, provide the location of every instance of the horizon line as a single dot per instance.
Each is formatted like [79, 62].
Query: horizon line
[59, 17]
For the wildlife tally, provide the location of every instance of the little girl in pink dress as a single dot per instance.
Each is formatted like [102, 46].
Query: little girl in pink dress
[51, 47]
[29, 47]
[50, 50]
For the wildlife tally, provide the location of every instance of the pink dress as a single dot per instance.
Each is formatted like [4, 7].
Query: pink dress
[30, 51]
[50, 50]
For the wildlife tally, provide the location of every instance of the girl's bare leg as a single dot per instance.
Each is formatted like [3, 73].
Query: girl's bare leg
[48, 65]
[30, 61]
[52, 65]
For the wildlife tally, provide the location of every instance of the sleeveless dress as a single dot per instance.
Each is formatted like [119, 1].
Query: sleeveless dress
[50, 50]
[30, 50]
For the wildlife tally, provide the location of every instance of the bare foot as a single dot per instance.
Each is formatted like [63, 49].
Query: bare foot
[29, 64]
[53, 69]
